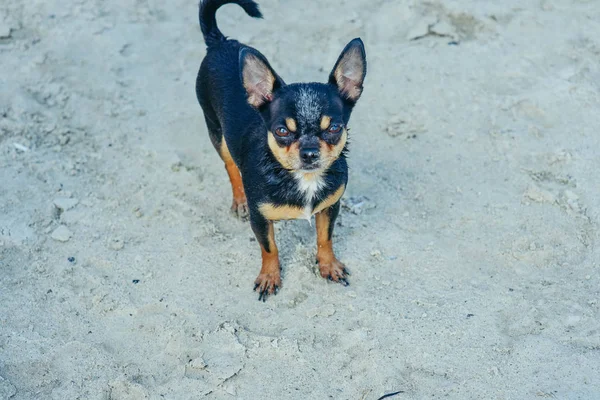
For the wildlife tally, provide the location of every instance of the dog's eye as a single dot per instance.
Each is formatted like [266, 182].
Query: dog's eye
[334, 128]
[281, 131]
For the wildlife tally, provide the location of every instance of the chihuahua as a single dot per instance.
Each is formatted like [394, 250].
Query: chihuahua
[284, 146]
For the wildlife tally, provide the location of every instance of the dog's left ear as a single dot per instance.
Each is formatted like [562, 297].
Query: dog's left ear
[349, 72]
[258, 78]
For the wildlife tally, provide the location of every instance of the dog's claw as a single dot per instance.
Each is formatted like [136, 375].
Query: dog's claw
[335, 271]
[267, 285]
[239, 209]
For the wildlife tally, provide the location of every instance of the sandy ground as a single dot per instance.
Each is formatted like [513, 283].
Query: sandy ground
[470, 222]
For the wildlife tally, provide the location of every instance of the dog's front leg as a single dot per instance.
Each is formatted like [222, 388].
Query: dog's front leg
[268, 281]
[329, 266]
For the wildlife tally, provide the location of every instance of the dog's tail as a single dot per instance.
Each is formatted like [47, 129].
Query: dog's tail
[208, 21]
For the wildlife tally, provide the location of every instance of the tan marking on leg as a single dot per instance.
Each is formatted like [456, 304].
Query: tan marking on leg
[329, 266]
[239, 206]
[291, 124]
[237, 185]
[269, 278]
[224, 151]
[331, 200]
[273, 251]
[325, 121]
[324, 245]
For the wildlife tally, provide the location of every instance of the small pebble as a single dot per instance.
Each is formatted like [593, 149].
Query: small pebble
[65, 203]
[71, 259]
[376, 254]
[356, 205]
[21, 147]
[5, 31]
[116, 244]
[198, 363]
[62, 234]
[325, 311]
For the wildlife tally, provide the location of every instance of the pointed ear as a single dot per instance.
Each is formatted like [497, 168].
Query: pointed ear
[350, 69]
[258, 78]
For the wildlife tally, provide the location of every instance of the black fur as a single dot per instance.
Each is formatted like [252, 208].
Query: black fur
[208, 21]
[229, 117]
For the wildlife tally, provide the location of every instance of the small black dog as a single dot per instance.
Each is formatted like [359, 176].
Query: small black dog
[288, 141]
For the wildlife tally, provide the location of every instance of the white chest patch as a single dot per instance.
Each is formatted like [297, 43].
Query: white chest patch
[309, 184]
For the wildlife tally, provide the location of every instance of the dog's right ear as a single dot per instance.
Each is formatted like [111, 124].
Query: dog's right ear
[258, 78]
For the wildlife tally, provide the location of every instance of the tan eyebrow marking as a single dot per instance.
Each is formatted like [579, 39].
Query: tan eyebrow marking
[325, 121]
[291, 124]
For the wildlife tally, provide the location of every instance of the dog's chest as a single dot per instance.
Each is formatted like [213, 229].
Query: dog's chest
[309, 186]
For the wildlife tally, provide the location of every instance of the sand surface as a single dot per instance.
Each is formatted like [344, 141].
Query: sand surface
[470, 226]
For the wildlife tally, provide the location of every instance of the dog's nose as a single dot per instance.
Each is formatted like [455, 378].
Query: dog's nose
[309, 155]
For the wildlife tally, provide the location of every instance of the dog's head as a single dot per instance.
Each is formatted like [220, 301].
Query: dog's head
[306, 122]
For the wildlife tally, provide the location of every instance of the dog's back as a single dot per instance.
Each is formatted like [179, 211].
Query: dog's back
[219, 86]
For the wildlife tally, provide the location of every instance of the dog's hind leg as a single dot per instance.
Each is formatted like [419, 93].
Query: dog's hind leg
[239, 206]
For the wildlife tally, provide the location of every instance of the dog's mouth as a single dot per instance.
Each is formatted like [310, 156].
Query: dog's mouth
[309, 168]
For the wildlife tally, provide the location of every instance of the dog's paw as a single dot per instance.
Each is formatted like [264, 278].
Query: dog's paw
[334, 270]
[267, 284]
[239, 209]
